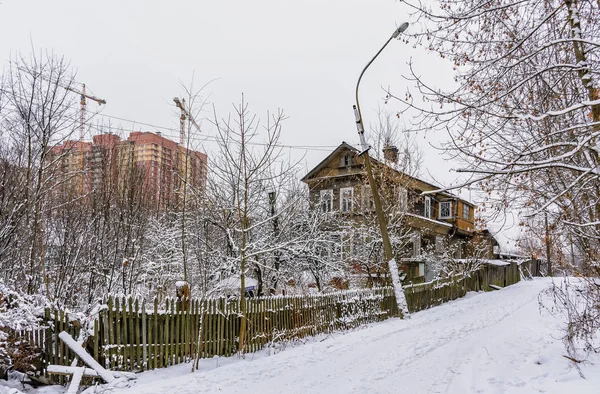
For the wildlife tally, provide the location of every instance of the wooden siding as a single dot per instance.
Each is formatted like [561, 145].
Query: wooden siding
[334, 174]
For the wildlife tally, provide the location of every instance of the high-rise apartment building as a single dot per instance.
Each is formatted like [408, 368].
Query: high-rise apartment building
[162, 168]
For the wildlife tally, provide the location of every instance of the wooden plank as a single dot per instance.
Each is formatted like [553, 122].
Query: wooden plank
[144, 336]
[48, 340]
[96, 339]
[75, 381]
[220, 326]
[211, 328]
[118, 341]
[193, 334]
[61, 327]
[229, 329]
[177, 333]
[255, 331]
[173, 333]
[250, 325]
[140, 360]
[85, 357]
[202, 328]
[167, 339]
[155, 337]
[198, 347]
[131, 333]
[108, 350]
[184, 323]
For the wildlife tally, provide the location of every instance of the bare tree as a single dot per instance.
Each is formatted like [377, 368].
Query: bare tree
[525, 113]
[37, 114]
[524, 116]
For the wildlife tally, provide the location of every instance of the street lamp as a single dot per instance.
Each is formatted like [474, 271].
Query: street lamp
[387, 246]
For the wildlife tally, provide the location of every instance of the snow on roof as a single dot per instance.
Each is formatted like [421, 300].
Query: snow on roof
[497, 262]
[234, 283]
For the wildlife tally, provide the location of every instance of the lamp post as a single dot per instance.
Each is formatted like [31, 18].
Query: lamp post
[387, 246]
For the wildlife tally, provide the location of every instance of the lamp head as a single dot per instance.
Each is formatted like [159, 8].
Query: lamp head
[400, 30]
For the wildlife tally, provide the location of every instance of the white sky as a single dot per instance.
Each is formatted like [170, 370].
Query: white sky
[303, 56]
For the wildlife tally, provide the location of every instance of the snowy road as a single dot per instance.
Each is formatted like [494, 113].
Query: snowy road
[496, 342]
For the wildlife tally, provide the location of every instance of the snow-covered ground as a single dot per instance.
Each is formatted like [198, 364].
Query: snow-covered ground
[498, 342]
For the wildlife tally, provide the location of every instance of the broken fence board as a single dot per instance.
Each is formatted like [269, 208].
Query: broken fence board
[85, 356]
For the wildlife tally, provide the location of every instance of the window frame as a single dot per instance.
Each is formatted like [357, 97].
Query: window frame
[427, 207]
[347, 160]
[326, 203]
[449, 216]
[466, 214]
[402, 198]
[416, 241]
[367, 201]
[346, 202]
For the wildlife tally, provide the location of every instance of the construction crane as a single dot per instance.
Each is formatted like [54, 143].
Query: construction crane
[184, 115]
[81, 93]
[83, 108]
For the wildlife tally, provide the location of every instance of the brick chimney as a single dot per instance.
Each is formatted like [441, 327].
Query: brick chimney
[390, 153]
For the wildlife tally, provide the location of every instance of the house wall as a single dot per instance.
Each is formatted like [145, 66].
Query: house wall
[335, 174]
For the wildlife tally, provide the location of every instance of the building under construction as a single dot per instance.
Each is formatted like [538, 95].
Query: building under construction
[164, 171]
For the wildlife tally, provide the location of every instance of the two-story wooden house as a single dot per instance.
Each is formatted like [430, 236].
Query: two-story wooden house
[440, 223]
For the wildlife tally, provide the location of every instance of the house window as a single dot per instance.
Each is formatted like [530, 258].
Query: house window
[346, 198]
[427, 212]
[346, 161]
[326, 200]
[466, 212]
[402, 198]
[446, 210]
[439, 244]
[458, 251]
[416, 239]
[421, 269]
[347, 247]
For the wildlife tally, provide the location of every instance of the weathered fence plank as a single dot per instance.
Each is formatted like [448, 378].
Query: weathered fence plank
[129, 337]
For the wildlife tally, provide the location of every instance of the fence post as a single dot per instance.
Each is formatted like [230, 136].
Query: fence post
[144, 337]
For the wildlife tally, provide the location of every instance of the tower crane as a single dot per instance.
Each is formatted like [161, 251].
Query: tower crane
[83, 103]
[81, 93]
[185, 114]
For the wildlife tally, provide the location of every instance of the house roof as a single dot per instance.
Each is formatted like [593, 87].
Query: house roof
[342, 146]
[346, 146]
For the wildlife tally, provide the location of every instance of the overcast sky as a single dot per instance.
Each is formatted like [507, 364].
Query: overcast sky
[303, 56]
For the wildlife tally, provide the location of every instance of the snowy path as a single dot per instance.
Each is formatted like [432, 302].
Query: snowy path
[494, 342]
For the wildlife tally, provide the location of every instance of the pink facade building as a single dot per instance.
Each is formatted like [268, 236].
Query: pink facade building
[165, 170]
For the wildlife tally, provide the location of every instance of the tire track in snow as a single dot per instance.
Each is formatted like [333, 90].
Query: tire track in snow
[367, 360]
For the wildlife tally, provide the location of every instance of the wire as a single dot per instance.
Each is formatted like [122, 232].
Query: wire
[203, 138]
[175, 136]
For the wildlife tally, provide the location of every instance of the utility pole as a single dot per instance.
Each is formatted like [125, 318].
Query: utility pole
[387, 246]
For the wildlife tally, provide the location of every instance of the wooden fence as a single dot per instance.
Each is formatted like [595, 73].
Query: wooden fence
[130, 335]
[46, 339]
[425, 295]
[533, 267]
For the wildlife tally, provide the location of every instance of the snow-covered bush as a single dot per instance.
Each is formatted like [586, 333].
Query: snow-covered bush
[18, 312]
[578, 300]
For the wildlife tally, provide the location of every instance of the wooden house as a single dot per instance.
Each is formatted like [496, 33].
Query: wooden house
[440, 222]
